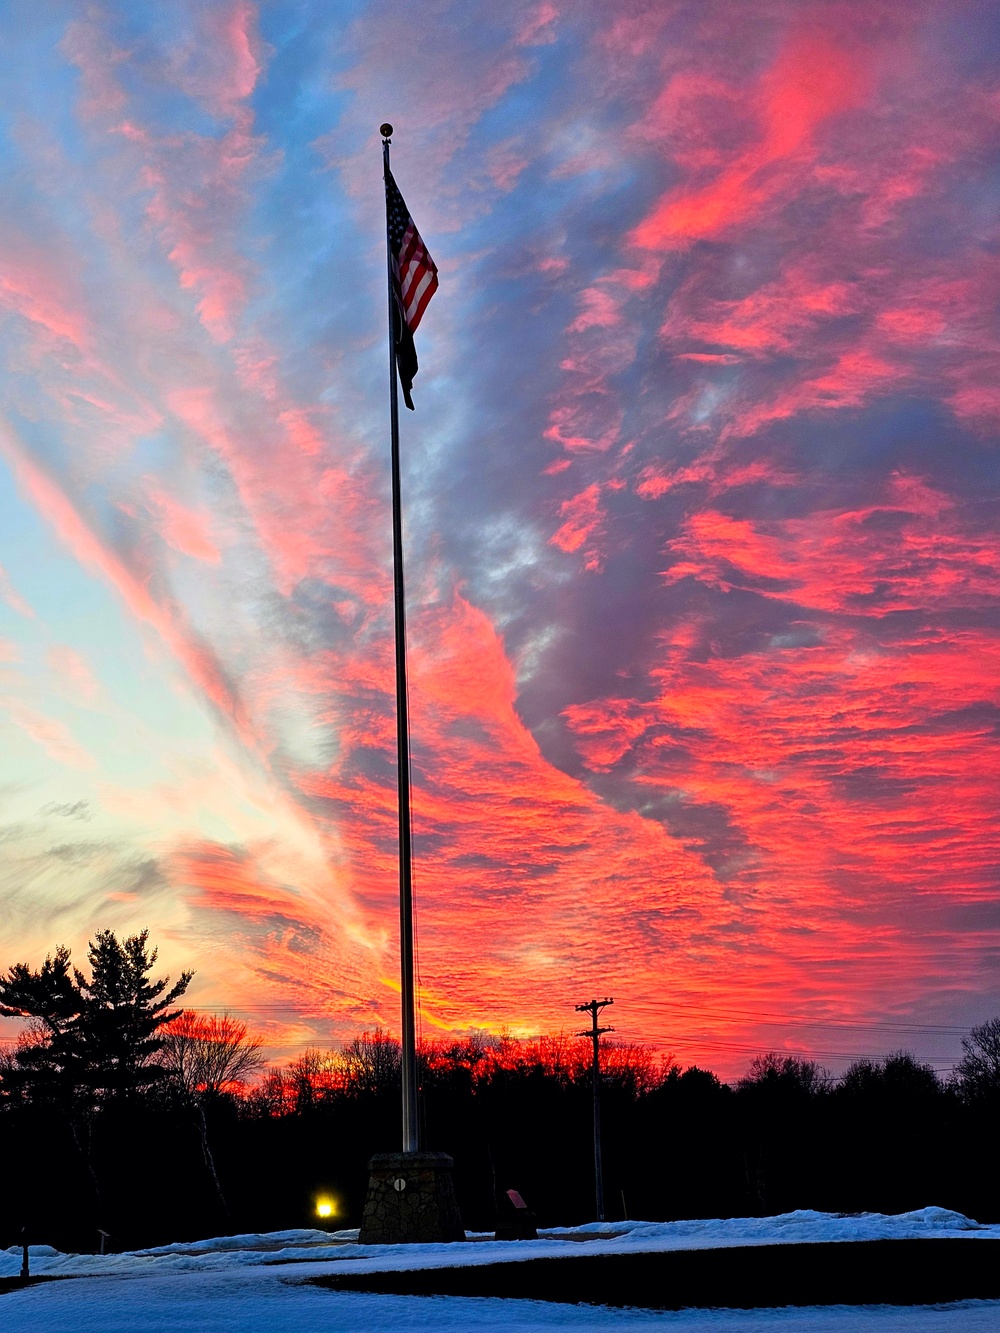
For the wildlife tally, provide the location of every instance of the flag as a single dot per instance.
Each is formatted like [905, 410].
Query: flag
[414, 282]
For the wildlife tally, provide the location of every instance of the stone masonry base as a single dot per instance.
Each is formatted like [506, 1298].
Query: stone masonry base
[411, 1198]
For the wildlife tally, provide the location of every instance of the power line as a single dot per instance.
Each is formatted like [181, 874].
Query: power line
[812, 1053]
[766, 1020]
[746, 1016]
[937, 1063]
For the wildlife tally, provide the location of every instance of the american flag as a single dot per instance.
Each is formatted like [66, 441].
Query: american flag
[414, 282]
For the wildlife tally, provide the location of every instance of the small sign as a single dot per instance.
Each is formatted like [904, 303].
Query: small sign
[399, 1184]
[516, 1199]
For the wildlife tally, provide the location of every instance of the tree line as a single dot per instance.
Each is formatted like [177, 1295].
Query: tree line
[124, 1111]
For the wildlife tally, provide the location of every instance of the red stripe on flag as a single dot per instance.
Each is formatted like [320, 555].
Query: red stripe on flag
[417, 276]
[424, 294]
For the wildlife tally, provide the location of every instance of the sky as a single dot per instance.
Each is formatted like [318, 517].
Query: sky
[700, 512]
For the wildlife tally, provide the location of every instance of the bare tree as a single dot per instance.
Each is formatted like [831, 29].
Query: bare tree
[774, 1070]
[272, 1095]
[978, 1072]
[312, 1077]
[371, 1062]
[206, 1055]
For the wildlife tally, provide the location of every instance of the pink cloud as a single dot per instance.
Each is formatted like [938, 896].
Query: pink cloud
[599, 310]
[190, 223]
[224, 60]
[81, 540]
[97, 58]
[32, 286]
[75, 671]
[51, 734]
[781, 197]
[282, 470]
[185, 529]
[538, 28]
[194, 181]
[13, 598]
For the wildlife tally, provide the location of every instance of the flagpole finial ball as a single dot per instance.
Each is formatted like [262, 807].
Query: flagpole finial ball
[385, 130]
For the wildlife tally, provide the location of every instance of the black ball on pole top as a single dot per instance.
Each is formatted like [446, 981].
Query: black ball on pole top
[385, 130]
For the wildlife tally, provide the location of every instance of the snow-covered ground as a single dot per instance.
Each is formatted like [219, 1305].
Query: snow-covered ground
[258, 1282]
[323, 1249]
[265, 1302]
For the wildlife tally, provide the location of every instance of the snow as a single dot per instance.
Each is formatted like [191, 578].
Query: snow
[270, 1240]
[341, 1247]
[265, 1302]
[260, 1281]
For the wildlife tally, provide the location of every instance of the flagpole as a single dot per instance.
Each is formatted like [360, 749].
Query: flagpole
[411, 1194]
[411, 1136]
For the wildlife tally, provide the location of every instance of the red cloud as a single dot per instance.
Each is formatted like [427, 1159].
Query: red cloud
[846, 749]
[584, 524]
[811, 81]
[747, 811]
[908, 553]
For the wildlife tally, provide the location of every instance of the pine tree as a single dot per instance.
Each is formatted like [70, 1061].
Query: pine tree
[122, 1012]
[89, 1041]
[96, 1038]
[48, 1063]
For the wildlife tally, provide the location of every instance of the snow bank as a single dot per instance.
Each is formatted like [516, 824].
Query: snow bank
[304, 1247]
[270, 1240]
[794, 1228]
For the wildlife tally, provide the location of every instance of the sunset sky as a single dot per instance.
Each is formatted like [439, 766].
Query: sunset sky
[700, 491]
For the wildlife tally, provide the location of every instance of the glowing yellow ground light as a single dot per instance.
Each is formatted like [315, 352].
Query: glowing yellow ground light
[325, 1208]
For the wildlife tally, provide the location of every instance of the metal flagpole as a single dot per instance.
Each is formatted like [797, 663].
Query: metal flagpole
[411, 1137]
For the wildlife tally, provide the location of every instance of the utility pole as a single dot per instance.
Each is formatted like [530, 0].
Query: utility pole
[595, 1034]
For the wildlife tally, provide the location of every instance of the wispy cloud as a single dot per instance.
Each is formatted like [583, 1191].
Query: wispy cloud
[700, 506]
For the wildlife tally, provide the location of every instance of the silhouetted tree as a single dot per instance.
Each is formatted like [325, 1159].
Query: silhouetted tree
[50, 1065]
[204, 1055]
[371, 1063]
[313, 1075]
[514, 1113]
[90, 1041]
[900, 1078]
[977, 1074]
[791, 1075]
[123, 1013]
[890, 1115]
[273, 1096]
[777, 1097]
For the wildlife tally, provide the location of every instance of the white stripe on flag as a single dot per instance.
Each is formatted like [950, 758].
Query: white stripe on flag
[415, 294]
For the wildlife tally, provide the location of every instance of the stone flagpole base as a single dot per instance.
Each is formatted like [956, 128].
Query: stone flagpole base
[411, 1198]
